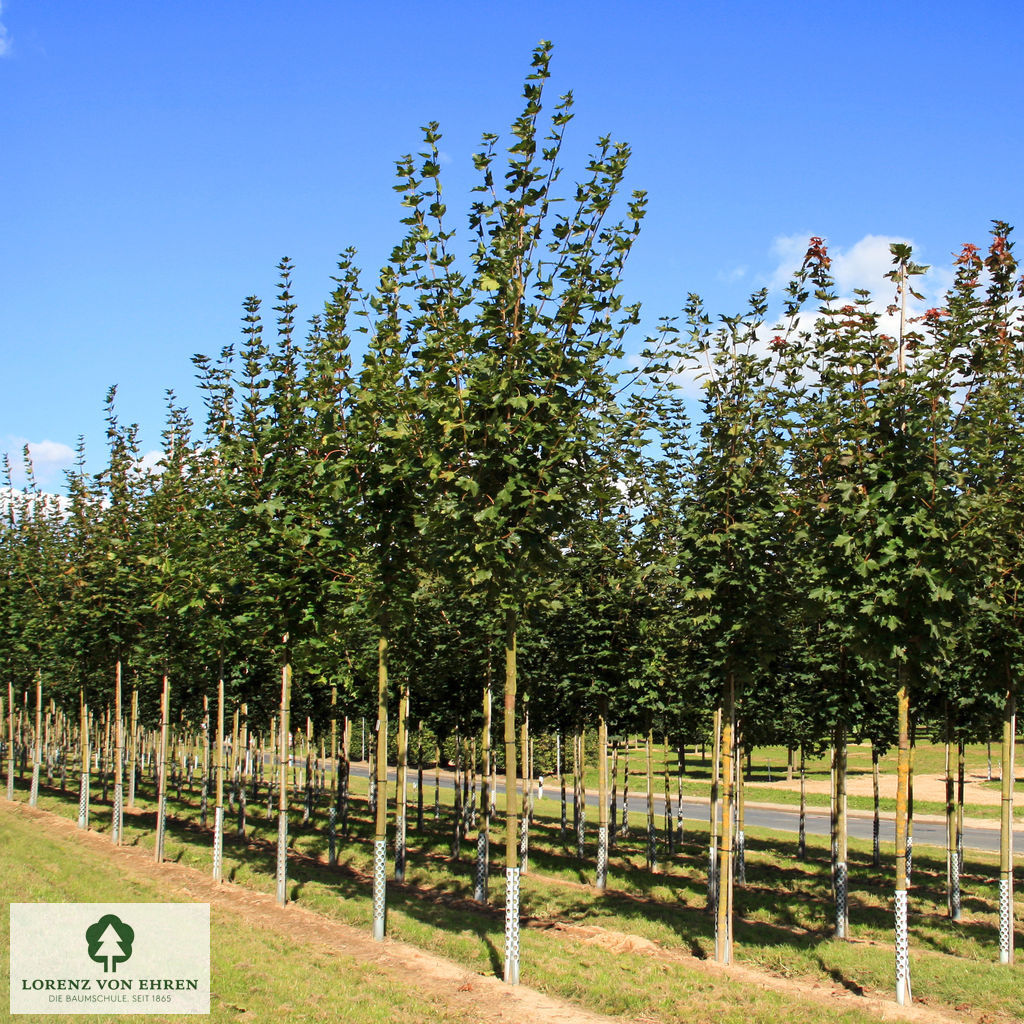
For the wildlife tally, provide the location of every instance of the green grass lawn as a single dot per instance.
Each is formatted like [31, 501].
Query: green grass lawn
[307, 982]
[783, 913]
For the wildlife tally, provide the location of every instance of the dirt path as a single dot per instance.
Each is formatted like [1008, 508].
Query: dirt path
[480, 996]
[926, 787]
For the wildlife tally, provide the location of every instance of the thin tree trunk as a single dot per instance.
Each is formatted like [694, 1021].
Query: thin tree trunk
[284, 735]
[740, 873]
[104, 754]
[419, 776]
[952, 877]
[161, 798]
[457, 799]
[524, 824]
[332, 813]
[1006, 825]
[561, 779]
[380, 835]
[437, 780]
[581, 795]
[117, 829]
[841, 873]
[652, 839]
[681, 754]
[401, 802]
[37, 745]
[204, 789]
[876, 851]
[902, 951]
[133, 750]
[723, 927]
[601, 876]
[345, 783]
[483, 837]
[625, 790]
[801, 843]
[670, 832]
[910, 801]
[713, 811]
[10, 749]
[218, 809]
[961, 765]
[614, 811]
[511, 970]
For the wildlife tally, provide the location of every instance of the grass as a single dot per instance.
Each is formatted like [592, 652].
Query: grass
[308, 982]
[783, 923]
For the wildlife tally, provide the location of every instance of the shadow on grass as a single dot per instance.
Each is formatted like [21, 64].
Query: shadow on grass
[787, 903]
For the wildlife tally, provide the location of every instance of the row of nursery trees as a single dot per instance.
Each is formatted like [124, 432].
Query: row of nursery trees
[490, 502]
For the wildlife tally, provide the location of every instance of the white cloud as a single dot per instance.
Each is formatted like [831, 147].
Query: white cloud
[789, 251]
[149, 464]
[863, 264]
[49, 460]
[5, 42]
[736, 274]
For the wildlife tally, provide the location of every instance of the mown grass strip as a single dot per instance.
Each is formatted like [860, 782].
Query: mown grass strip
[783, 927]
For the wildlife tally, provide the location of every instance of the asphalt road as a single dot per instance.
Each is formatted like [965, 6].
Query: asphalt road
[926, 832]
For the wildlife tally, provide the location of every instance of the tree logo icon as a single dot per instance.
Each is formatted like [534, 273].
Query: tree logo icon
[110, 942]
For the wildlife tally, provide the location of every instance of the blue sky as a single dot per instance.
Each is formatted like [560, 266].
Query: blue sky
[157, 160]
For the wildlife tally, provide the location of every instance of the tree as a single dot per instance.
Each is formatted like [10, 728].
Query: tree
[516, 367]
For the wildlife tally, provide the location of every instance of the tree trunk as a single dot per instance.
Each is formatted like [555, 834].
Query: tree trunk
[345, 782]
[902, 951]
[284, 734]
[910, 801]
[561, 781]
[483, 838]
[681, 753]
[670, 832]
[204, 788]
[161, 798]
[624, 832]
[37, 746]
[380, 834]
[952, 877]
[713, 812]
[876, 851]
[613, 815]
[1006, 826]
[652, 839]
[133, 748]
[524, 824]
[218, 810]
[437, 780]
[456, 834]
[332, 813]
[601, 876]
[960, 773]
[740, 873]
[723, 920]
[419, 776]
[401, 800]
[841, 873]
[511, 970]
[580, 805]
[801, 843]
[117, 829]
[10, 749]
